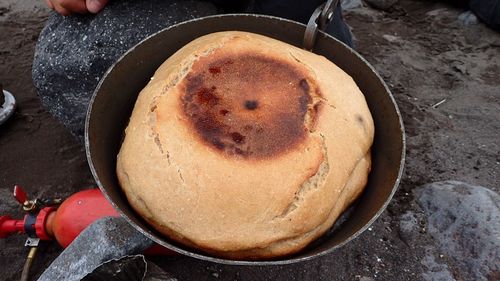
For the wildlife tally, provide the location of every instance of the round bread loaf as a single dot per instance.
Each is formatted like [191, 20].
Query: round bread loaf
[246, 147]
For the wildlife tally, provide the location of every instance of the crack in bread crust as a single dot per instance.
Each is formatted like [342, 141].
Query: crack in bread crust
[314, 182]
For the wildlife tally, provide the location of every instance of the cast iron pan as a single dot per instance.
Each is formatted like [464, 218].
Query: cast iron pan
[114, 98]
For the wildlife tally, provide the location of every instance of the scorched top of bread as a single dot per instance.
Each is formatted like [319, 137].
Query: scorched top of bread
[249, 104]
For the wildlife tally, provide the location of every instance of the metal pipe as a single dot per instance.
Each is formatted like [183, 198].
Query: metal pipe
[27, 264]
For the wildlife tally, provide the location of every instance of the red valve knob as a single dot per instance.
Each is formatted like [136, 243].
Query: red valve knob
[20, 194]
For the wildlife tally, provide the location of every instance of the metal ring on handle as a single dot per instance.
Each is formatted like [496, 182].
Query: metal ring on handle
[319, 20]
[327, 13]
[312, 29]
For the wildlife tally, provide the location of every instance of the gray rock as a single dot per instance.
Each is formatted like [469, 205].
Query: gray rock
[106, 239]
[381, 4]
[464, 220]
[390, 38]
[468, 18]
[435, 271]
[348, 5]
[408, 227]
[74, 52]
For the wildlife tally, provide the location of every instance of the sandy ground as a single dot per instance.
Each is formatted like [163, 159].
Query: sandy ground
[425, 55]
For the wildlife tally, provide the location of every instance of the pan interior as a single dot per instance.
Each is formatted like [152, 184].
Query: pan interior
[114, 98]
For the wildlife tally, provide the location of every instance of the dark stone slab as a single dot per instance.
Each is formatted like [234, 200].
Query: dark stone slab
[106, 239]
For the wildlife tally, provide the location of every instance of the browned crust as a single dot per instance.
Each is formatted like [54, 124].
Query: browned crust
[226, 102]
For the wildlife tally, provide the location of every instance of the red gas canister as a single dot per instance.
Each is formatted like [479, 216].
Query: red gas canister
[76, 213]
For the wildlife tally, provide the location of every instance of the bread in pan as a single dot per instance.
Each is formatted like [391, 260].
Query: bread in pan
[245, 147]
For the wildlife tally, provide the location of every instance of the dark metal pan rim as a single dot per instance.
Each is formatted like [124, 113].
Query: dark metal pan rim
[286, 260]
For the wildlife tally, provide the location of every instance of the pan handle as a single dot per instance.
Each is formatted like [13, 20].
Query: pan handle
[319, 20]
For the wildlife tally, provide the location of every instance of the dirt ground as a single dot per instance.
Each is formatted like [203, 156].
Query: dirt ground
[444, 75]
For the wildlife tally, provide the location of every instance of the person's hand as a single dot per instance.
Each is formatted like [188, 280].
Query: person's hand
[66, 7]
